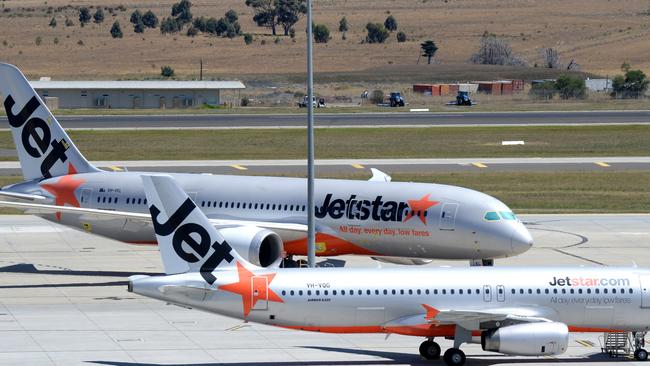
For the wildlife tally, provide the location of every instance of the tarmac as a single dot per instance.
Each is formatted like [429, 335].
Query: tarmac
[454, 117]
[63, 301]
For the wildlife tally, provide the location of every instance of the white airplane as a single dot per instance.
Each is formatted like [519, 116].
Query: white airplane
[262, 217]
[515, 311]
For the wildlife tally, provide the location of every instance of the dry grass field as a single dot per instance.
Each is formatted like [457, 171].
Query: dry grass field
[598, 34]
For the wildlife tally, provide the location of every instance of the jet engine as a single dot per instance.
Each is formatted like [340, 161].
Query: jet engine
[259, 246]
[404, 261]
[529, 339]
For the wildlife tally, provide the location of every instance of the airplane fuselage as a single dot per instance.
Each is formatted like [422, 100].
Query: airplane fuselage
[353, 217]
[392, 300]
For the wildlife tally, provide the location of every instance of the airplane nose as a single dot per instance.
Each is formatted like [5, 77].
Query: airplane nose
[521, 240]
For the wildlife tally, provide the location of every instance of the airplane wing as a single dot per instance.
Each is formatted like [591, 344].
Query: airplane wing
[97, 214]
[19, 197]
[477, 319]
[474, 319]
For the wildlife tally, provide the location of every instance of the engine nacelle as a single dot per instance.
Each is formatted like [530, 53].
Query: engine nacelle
[403, 260]
[529, 339]
[259, 246]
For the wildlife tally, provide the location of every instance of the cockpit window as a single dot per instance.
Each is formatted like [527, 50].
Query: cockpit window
[508, 215]
[492, 216]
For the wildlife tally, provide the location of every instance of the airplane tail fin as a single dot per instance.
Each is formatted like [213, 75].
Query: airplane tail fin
[44, 149]
[187, 241]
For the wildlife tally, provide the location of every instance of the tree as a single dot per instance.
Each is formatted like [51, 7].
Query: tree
[495, 51]
[429, 49]
[136, 17]
[264, 13]
[289, 13]
[166, 71]
[116, 30]
[633, 85]
[401, 37]
[377, 33]
[271, 13]
[139, 27]
[53, 22]
[181, 11]
[571, 87]
[390, 23]
[169, 25]
[150, 19]
[231, 16]
[321, 33]
[551, 58]
[84, 16]
[343, 25]
[99, 16]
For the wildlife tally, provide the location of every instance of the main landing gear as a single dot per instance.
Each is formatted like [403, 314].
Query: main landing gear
[430, 350]
[640, 354]
[454, 357]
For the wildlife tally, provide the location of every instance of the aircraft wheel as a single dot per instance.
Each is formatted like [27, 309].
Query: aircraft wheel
[430, 350]
[640, 354]
[454, 357]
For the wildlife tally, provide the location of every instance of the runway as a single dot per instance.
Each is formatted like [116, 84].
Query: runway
[63, 301]
[388, 119]
[351, 166]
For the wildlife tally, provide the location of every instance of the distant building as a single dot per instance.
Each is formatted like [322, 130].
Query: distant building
[599, 85]
[148, 94]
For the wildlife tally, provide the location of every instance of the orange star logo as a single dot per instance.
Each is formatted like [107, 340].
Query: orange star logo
[252, 288]
[419, 207]
[63, 190]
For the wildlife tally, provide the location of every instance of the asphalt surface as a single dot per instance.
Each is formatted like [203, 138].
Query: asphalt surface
[351, 166]
[63, 301]
[352, 119]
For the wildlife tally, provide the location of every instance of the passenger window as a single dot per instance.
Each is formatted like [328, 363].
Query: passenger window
[401, 292]
[564, 291]
[291, 293]
[376, 292]
[491, 216]
[451, 291]
[530, 291]
[579, 290]
[308, 292]
[393, 292]
[284, 292]
[419, 292]
[572, 291]
[521, 291]
[613, 290]
[546, 291]
[361, 292]
[291, 208]
[539, 291]
[342, 292]
[555, 291]
[385, 292]
[426, 291]
[317, 292]
[410, 292]
[334, 292]
[444, 292]
[325, 292]
[127, 201]
[300, 292]
[435, 292]
[512, 291]
[220, 204]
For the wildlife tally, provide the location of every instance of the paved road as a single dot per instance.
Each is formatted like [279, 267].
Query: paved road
[63, 301]
[350, 166]
[354, 119]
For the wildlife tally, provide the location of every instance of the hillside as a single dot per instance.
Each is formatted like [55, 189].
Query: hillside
[598, 34]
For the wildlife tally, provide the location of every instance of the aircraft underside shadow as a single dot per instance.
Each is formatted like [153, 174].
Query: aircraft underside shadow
[28, 268]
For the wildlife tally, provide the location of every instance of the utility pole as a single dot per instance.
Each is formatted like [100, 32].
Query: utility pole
[311, 230]
[201, 71]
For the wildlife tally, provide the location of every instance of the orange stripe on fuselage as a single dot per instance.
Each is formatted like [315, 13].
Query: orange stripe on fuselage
[331, 245]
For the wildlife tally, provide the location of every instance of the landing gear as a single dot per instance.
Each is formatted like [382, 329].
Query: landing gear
[454, 357]
[641, 354]
[430, 350]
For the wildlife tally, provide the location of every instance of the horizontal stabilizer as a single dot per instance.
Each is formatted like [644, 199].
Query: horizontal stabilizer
[379, 176]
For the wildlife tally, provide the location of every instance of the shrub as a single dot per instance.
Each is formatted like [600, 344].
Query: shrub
[169, 25]
[545, 90]
[192, 32]
[38, 40]
[68, 22]
[166, 71]
[136, 17]
[56, 40]
[377, 96]
[99, 16]
[139, 27]
[321, 33]
[401, 37]
[53, 22]
[116, 30]
[390, 23]
[571, 87]
[150, 19]
[248, 39]
[377, 33]
[633, 85]
[245, 102]
[84, 15]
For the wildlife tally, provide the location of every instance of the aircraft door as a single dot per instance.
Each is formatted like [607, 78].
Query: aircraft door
[259, 293]
[487, 293]
[501, 293]
[645, 290]
[85, 197]
[448, 216]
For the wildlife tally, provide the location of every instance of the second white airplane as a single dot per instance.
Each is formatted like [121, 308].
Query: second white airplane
[516, 311]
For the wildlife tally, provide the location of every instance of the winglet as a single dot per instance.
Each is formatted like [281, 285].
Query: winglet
[432, 312]
[379, 176]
